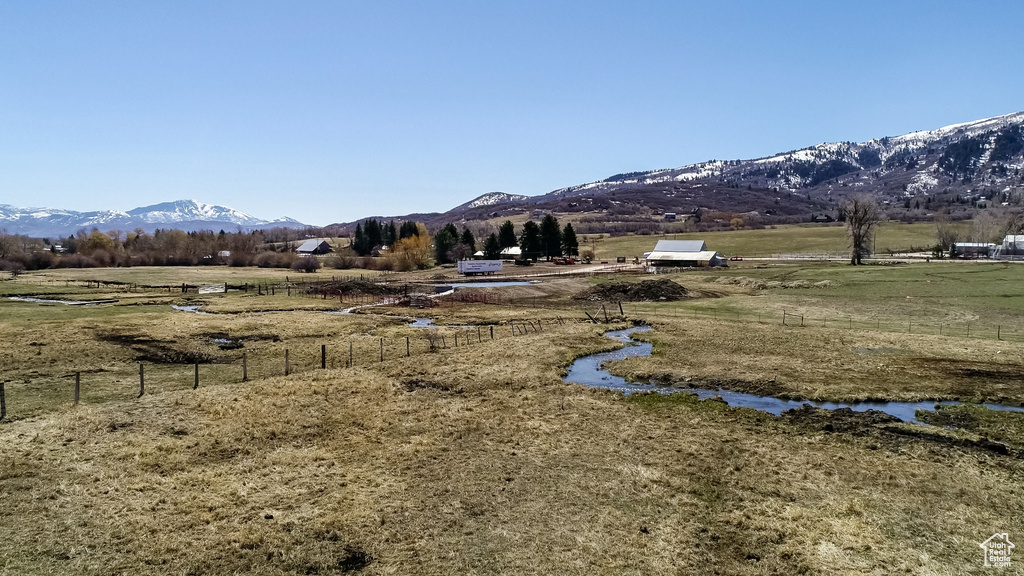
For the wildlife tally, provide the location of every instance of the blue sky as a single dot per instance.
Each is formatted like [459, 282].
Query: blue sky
[332, 111]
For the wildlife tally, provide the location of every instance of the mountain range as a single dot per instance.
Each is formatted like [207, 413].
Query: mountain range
[962, 165]
[965, 164]
[187, 215]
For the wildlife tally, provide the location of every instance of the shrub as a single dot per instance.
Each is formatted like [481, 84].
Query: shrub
[274, 260]
[306, 264]
[343, 261]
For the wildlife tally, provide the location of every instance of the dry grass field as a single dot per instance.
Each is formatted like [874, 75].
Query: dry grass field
[480, 460]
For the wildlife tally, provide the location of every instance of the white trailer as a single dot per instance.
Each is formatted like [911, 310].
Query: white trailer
[471, 267]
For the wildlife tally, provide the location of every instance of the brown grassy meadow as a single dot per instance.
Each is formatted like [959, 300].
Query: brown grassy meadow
[479, 459]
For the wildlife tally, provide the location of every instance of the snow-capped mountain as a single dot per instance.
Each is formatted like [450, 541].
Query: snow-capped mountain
[187, 215]
[490, 199]
[960, 157]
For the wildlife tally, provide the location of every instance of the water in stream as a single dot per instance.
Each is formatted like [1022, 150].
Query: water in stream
[588, 371]
[67, 302]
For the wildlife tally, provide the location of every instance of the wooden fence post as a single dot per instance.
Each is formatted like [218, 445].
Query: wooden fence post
[196, 384]
[381, 349]
[142, 380]
[407, 354]
[492, 332]
[245, 367]
[478, 338]
[3, 401]
[78, 387]
[620, 308]
[287, 364]
[323, 356]
[350, 354]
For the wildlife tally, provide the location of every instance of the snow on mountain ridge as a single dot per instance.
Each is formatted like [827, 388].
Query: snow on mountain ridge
[189, 214]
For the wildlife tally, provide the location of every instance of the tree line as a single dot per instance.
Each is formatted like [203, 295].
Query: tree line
[535, 241]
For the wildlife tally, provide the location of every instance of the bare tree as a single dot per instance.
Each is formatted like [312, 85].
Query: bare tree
[946, 232]
[985, 226]
[862, 213]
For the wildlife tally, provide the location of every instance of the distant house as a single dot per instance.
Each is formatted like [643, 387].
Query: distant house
[683, 253]
[670, 215]
[224, 254]
[822, 219]
[314, 246]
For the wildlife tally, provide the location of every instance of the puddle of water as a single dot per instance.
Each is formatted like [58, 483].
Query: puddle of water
[192, 309]
[588, 371]
[67, 302]
[422, 323]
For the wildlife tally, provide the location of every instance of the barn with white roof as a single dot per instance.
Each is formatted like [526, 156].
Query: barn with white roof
[683, 253]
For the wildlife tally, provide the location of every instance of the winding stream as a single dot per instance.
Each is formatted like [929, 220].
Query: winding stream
[589, 372]
[67, 302]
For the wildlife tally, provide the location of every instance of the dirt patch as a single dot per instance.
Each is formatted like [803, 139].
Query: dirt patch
[644, 291]
[762, 284]
[157, 351]
[414, 385]
[353, 287]
[354, 558]
[972, 369]
[841, 420]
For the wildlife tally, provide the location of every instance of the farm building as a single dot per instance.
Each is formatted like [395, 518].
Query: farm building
[683, 253]
[1013, 244]
[314, 246]
[973, 249]
[512, 253]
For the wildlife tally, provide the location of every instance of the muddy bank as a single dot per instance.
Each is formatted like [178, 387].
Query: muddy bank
[766, 387]
[884, 429]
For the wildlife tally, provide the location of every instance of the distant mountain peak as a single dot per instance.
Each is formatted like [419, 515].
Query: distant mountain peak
[490, 199]
[189, 215]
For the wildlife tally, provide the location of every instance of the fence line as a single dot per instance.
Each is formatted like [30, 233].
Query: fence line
[362, 352]
[875, 323]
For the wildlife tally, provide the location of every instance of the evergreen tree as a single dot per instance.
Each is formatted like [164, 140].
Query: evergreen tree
[530, 241]
[374, 233]
[507, 235]
[408, 230]
[468, 239]
[492, 248]
[444, 241]
[359, 243]
[390, 234]
[550, 236]
[570, 245]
